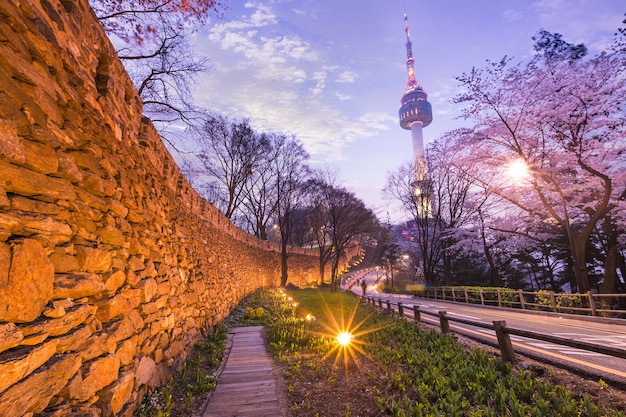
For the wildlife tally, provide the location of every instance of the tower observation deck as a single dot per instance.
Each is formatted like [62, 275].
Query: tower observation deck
[415, 106]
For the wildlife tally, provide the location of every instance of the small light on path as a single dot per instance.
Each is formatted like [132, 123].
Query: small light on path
[344, 338]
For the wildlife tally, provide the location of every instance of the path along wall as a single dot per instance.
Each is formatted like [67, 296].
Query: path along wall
[111, 266]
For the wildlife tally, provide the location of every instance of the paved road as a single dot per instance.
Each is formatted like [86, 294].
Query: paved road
[603, 333]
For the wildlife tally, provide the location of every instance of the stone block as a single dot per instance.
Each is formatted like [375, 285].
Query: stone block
[67, 168]
[20, 363]
[40, 157]
[26, 280]
[74, 341]
[27, 182]
[119, 304]
[28, 224]
[136, 263]
[111, 399]
[96, 375]
[149, 288]
[77, 285]
[93, 259]
[111, 235]
[73, 317]
[145, 371]
[10, 336]
[137, 248]
[63, 262]
[33, 394]
[114, 281]
[118, 208]
[127, 350]
[11, 146]
[96, 185]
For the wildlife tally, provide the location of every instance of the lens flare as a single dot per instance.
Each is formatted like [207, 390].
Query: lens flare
[346, 334]
[344, 338]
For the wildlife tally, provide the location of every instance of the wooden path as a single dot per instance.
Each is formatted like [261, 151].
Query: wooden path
[247, 386]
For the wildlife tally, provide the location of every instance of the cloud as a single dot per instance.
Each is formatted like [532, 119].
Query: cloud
[346, 77]
[279, 81]
[511, 15]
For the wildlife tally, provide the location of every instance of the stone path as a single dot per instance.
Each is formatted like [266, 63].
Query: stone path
[247, 385]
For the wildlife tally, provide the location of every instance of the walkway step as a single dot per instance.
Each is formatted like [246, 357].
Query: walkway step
[247, 386]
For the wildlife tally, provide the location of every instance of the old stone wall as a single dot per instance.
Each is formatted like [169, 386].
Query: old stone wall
[111, 266]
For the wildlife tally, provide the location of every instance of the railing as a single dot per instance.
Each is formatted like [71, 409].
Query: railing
[573, 303]
[500, 328]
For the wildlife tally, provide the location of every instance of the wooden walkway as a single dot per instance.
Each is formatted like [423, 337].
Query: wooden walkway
[247, 386]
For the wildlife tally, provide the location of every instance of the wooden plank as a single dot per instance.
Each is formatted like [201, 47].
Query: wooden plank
[246, 386]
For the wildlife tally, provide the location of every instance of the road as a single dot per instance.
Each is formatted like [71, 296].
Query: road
[605, 333]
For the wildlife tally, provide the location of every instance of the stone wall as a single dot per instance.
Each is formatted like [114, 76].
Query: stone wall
[111, 266]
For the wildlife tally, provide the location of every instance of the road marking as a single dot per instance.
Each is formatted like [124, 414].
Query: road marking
[463, 315]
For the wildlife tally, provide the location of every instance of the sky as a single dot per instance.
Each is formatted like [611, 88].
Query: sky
[332, 72]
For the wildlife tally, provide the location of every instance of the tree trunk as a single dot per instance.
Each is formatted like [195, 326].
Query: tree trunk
[579, 250]
[609, 285]
[447, 270]
[322, 270]
[283, 263]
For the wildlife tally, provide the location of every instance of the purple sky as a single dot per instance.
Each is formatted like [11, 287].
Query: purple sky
[332, 72]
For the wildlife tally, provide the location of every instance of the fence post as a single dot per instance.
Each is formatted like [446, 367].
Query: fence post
[592, 303]
[553, 300]
[380, 303]
[504, 341]
[443, 293]
[499, 298]
[521, 299]
[466, 298]
[388, 305]
[416, 313]
[443, 322]
[482, 298]
[453, 295]
[400, 309]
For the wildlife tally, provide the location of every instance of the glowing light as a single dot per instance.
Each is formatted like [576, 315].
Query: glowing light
[344, 338]
[310, 317]
[346, 333]
[517, 169]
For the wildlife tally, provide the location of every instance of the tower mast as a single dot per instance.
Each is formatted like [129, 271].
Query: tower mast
[410, 68]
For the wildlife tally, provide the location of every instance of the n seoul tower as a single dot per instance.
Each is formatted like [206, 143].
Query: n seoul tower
[415, 114]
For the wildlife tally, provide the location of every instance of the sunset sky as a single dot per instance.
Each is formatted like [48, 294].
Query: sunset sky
[332, 72]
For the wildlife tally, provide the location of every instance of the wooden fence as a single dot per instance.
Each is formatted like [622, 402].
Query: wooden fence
[500, 328]
[588, 303]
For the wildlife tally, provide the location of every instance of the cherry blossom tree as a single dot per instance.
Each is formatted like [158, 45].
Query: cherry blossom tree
[561, 116]
[140, 21]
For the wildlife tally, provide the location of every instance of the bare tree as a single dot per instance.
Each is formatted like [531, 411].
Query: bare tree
[151, 37]
[228, 153]
[343, 218]
[290, 176]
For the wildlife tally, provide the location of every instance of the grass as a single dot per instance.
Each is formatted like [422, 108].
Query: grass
[389, 366]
